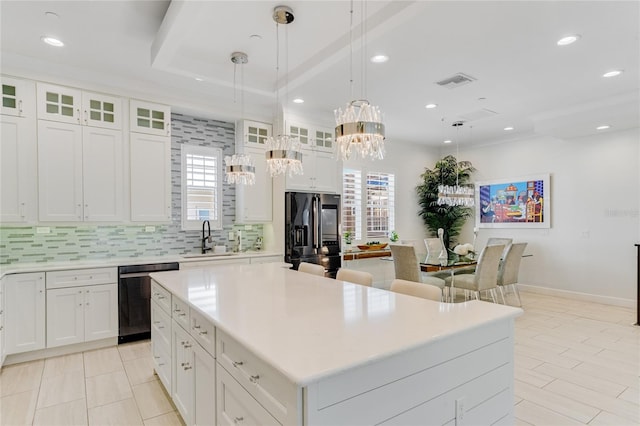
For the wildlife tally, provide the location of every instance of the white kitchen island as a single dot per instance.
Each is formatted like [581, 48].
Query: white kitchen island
[294, 348]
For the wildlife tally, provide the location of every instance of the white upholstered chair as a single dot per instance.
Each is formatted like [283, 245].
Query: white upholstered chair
[356, 277]
[411, 288]
[484, 279]
[311, 268]
[509, 269]
[407, 266]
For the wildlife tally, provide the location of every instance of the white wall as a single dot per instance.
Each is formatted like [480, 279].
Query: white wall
[595, 218]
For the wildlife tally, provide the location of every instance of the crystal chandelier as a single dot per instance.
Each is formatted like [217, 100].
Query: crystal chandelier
[283, 153]
[359, 127]
[239, 168]
[456, 195]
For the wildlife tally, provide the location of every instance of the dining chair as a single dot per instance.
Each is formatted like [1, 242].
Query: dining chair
[411, 288]
[506, 242]
[407, 267]
[509, 269]
[311, 268]
[356, 277]
[484, 279]
[434, 247]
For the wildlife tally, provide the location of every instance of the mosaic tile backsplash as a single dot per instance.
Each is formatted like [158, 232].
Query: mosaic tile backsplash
[87, 242]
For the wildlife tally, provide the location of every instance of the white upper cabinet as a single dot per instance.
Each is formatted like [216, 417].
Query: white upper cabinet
[254, 202]
[252, 134]
[59, 103]
[318, 161]
[80, 172]
[18, 152]
[150, 158]
[150, 118]
[74, 106]
[18, 97]
[18, 170]
[100, 110]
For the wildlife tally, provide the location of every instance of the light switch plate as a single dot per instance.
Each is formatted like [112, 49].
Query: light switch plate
[248, 227]
[43, 230]
[149, 229]
[230, 235]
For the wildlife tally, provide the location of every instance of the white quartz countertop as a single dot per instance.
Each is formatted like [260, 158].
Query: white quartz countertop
[309, 327]
[17, 268]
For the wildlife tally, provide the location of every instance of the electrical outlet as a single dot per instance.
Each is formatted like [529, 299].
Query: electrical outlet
[231, 235]
[149, 229]
[248, 227]
[43, 230]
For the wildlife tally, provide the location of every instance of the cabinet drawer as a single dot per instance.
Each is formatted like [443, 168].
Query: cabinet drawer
[160, 327]
[236, 405]
[180, 312]
[80, 277]
[162, 296]
[203, 331]
[263, 382]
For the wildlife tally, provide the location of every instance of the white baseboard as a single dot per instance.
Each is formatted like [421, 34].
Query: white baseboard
[605, 300]
[60, 350]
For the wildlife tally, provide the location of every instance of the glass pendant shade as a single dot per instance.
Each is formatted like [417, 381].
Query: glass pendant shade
[284, 155]
[360, 131]
[240, 169]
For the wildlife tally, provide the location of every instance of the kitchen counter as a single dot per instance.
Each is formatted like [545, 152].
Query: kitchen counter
[309, 326]
[313, 350]
[17, 268]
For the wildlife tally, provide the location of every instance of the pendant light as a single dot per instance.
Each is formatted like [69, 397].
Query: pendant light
[283, 153]
[456, 195]
[359, 127]
[239, 167]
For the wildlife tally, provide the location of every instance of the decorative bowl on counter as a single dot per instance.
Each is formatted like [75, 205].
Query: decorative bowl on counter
[372, 246]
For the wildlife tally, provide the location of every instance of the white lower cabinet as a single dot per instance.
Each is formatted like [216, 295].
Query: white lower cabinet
[193, 379]
[161, 343]
[236, 406]
[82, 306]
[81, 314]
[24, 312]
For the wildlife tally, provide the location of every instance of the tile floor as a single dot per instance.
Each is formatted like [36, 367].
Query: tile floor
[112, 386]
[575, 363]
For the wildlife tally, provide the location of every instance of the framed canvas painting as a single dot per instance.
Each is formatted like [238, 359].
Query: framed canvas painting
[518, 202]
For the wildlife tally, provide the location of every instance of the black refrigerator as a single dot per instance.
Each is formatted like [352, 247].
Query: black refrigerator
[312, 230]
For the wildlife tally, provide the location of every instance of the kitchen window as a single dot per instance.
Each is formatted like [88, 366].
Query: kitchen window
[201, 186]
[371, 204]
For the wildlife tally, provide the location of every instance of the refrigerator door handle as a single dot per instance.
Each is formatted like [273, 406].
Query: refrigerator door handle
[315, 221]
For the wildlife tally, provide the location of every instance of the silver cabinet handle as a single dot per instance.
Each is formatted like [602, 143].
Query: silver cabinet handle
[202, 332]
[196, 327]
[254, 379]
[238, 419]
[237, 363]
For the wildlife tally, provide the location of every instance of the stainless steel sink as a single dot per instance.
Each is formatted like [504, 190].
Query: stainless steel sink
[199, 255]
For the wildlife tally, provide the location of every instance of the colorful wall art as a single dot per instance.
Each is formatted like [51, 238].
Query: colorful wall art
[514, 203]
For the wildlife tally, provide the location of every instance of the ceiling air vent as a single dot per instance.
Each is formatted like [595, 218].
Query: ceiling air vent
[456, 80]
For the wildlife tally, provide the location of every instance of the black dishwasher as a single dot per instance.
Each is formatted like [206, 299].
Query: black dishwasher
[134, 299]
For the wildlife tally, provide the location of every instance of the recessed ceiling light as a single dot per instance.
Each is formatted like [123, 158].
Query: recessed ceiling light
[379, 59]
[508, 128]
[52, 41]
[564, 41]
[430, 106]
[613, 73]
[255, 37]
[51, 15]
[603, 127]
[447, 141]
[199, 79]
[298, 101]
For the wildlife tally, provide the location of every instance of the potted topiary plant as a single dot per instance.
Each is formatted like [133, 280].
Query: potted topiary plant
[447, 171]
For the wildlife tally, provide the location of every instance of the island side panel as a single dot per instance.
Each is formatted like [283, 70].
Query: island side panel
[472, 369]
